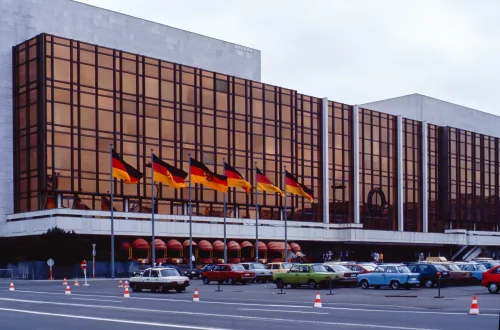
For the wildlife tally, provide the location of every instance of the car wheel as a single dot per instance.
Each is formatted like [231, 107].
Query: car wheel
[206, 280]
[493, 288]
[394, 285]
[311, 284]
[160, 289]
[429, 283]
[179, 290]
[364, 284]
[280, 284]
[231, 281]
[135, 288]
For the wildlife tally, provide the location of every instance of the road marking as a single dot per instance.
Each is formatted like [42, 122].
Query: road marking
[465, 313]
[279, 310]
[163, 325]
[359, 325]
[116, 301]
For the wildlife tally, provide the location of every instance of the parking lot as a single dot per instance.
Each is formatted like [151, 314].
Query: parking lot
[43, 305]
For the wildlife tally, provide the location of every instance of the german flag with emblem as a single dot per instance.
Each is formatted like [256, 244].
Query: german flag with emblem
[263, 183]
[122, 170]
[235, 179]
[168, 174]
[202, 175]
[296, 188]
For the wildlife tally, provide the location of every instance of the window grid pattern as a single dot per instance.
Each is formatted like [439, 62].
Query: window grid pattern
[340, 162]
[436, 223]
[377, 170]
[412, 174]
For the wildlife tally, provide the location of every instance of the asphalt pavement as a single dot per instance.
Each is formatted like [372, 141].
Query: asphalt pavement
[42, 305]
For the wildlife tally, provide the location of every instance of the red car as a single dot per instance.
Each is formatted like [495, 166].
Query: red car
[228, 273]
[491, 279]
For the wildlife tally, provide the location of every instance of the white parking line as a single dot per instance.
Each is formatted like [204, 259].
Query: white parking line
[116, 301]
[259, 318]
[103, 319]
[280, 311]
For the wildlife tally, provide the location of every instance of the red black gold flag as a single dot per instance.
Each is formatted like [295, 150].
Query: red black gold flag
[202, 175]
[296, 188]
[124, 171]
[235, 179]
[263, 183]
[167, 174]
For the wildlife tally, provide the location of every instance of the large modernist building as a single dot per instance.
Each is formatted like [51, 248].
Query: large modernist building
[74, 79]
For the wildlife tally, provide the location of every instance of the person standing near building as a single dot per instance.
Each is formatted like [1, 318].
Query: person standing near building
[381, 258]
[193, 259]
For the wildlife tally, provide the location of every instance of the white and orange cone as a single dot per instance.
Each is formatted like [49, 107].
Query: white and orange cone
[76, 282]
[11, 286]
[126, 294]
[196, 297]
[65, 282]
[120, 284]
[68, 290]
[317, 302]
[126, 283]
[474, 307]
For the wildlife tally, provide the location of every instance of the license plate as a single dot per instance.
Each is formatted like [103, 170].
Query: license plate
[354, 275]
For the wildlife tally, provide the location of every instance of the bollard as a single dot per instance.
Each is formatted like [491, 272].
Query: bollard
[281, 290]
[218, 284]
[330, 294]
[439, 288]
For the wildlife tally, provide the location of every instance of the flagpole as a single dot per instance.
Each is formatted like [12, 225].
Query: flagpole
[225, 243]
[256, 217]
[190, 220]
[286, 227]
[112, 219]
[153, 252]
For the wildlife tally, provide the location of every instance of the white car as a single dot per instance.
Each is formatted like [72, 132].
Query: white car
[262, 274]
[159, 279]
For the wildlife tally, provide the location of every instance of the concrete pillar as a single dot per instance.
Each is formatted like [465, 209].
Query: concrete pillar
[59, 201]
[399, 168]
[236, 211]
[425, 181]
[355, 165]
[126, 205]
[325, 165]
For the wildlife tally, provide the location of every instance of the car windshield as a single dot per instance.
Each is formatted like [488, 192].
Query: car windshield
[440, 268]
[340, 268]
[169, 272]
[403, 269]
[319, 268]
[480, 267]
[257, 266]
[237, 267]
[286, 265]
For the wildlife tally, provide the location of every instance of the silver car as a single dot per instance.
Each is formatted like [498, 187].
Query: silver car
[262, 274]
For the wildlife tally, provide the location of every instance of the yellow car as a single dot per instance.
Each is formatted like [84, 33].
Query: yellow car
[279, 267]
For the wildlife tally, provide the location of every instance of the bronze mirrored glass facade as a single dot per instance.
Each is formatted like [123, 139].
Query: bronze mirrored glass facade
[73, 99]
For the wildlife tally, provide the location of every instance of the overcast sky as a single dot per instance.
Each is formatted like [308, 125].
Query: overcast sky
[353, 51]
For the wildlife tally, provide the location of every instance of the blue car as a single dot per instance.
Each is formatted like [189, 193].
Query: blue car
[393, 275]
[476, 269]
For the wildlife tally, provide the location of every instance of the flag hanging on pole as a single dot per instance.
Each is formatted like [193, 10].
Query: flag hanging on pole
[168, 174]
[122, 170]
[202, 175]
[235, 179]
[263, 183]
[296, 188]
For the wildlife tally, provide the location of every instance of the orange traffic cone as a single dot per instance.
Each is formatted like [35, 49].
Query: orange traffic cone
[317, 302]
[196, 297]
[474, 307]
[126, 294]
[68, 291]
[120, 284]
[65, 282]
[76, 283]
[11, 287]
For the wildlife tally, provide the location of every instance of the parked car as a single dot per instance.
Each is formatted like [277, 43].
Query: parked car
[206, 268]
[347, 277]
[361, 268]
[458, 276]
[312, 275]
[393, 275]
[475, 268]
[488, 263]
[184, 270]
[279, 267]
[228, 273]
[159, 279]
[430, 274]
[262, 274]
[491, 279]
